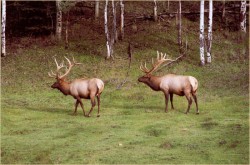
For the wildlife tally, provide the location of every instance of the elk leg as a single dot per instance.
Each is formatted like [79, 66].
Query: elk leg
[189, 101]
[76, 105]
[80, 101]
[196, 103]
[171, 100]
[98, 102]
[166, 100]
[93, 104]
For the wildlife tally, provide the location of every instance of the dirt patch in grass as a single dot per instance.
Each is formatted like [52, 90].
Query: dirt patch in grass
[234, 144]
[222, 142]
[166, 145]
[208, 123]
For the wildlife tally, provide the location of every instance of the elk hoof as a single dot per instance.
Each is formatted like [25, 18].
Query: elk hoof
[186, 113]
[74, 114]
[98, 115]
[197, 113]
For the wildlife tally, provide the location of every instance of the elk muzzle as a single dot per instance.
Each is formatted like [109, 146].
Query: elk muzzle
[143, 79]
[55, 85]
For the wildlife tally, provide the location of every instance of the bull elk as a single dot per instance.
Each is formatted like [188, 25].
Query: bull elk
[170, 84]
[78, 88]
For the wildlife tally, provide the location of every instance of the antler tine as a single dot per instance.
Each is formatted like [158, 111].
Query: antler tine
[75, 61]
[51, 74]
[68, 61]
[144, 68]
[58, 67]
[161, 58]
[69, 66]
[141, 68]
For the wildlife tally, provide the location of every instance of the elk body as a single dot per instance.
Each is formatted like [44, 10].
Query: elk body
[170, 84]
[79, 88]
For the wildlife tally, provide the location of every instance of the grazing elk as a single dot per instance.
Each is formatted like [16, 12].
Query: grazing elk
[78, 88]
[170, 84]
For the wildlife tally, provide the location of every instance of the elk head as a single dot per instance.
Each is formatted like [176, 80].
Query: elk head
[161, 58]
[60, 83]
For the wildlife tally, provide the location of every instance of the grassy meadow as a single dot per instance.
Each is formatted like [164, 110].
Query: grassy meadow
[37, 125]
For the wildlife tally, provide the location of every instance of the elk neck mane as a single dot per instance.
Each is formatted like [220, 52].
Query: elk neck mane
[65, 88]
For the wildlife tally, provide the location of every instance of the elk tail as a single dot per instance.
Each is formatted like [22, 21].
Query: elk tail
[193, 83]
[98, 90]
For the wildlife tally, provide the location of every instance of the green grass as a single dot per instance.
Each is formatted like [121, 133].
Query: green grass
[37, 125]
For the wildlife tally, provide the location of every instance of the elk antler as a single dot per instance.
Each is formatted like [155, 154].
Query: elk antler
[161, 58]
[58, 67]
[69, 66]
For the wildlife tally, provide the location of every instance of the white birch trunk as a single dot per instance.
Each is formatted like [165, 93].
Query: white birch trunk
[109, 53]
[168, 5]
[179, 26]
[155, 11]
[122, 19]
[223, 10]
[66, 32]
[210, 29]
[58, 19]
[202, 59]
[243, 16]
[96, 9]
[3, 46]
[115, 36]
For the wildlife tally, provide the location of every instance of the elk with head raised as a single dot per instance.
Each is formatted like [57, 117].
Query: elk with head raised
[170, 84]
[78, 88]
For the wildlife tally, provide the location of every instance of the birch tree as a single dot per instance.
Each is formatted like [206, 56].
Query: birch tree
[3, 53]
[202, 59]
[223, 10]
[58, 19]
[108, 43]
[115, 35]
[168, 5]
[96, 9]
[210, 25]
[164, 6]
[155, 11]
[243, 16]
[65, 9]
[122, 19]
[179, 26]
[66, 32]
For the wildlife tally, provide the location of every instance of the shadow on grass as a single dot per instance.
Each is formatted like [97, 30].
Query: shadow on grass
[146, 108]
[51, 110]
[137, 108]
